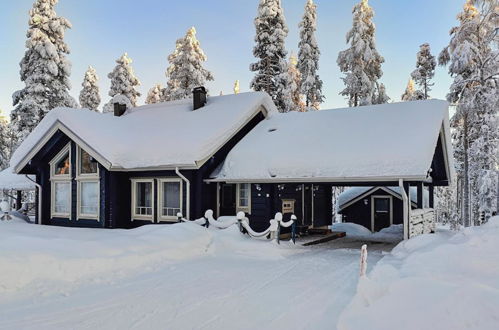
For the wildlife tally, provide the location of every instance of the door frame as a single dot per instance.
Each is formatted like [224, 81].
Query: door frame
[373, 197]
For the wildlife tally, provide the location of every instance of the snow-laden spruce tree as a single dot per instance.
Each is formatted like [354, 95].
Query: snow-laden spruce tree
[123, 82]
[425, 70]
[472, 57]
[308, 58]
[410, 93]
[237, 89]
[271, 67]
[186, 70]
[380, 96]
[292, 96]
[155, 94]
[45, 69]
[361, 62]
[5, 141]
[89, 95]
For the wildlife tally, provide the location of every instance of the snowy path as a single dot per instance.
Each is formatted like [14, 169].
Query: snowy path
[299, 289]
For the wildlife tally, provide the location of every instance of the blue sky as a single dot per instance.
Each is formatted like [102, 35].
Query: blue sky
[147, 30]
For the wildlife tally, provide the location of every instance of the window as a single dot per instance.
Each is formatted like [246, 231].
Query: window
[244, 197]
[88, 199]
[60, 178]
[86, 164]
[142, 199]
[170, 198]
[88, 186]
[61, 198]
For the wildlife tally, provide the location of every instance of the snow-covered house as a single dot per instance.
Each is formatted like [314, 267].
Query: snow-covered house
[236, 153]
[377, 207]
[142, 166]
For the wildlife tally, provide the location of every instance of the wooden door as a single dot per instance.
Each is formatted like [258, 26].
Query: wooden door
[381, 213]
[227, 199]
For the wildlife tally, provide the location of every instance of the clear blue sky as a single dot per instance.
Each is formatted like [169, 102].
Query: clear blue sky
[147, 30]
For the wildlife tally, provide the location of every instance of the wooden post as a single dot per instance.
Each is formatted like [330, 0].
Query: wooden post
[407, 209]
[19, 199]
[431, 192]
[419, 195]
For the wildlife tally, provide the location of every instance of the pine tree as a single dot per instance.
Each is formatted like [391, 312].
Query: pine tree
[410, 93]
[293, 98]
[89, 95]
[45, 69]
[472, 57]
[425, 69]
[155, 94]
[271, 67]
[308, 58]
[361, 62]
[123, 82]
[380, 96]
[186, 70]
[5, 141]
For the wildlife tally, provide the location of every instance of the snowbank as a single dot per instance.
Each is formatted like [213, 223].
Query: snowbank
[439, 281]
[351, 229]
[31, 253]
[394, 233]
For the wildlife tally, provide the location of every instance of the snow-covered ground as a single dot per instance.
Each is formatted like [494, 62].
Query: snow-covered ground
[442, 281]
[168, 277]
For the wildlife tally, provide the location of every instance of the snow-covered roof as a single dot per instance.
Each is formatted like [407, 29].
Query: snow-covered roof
[353, 193]
[9, 180]
[371, 143]
[162, 135]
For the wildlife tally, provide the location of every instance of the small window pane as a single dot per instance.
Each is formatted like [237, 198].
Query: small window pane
[143, 201]
[62, 191]
[171, 199]
[244, 194]
[87, 166]
[89, 198]
[382, 205]
[62, 166]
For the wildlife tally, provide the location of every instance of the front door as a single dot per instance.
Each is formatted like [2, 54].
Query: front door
[381, 213]
[227, 199]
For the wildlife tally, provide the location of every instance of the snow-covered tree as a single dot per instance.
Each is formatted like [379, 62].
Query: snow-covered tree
[186, 70]
[123, 82]
[271, 67]
[236, 87]
[155, 94]
[361, 62]
[380, 96]
[89, 95]
[473, 60]
[45, 69]
[293, 98]
[425, 69]
[5, 141]
[308, 58]
[410, 93]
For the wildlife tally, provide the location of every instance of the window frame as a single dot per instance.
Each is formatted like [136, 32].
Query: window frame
[239, 208]
[86, 178]
[135, 216]
[80, 175]
[60, 178]
[168, 218]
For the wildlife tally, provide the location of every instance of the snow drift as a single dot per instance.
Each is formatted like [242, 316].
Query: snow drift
[440, 281]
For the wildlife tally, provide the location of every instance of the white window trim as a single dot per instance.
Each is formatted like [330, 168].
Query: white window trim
[88, 177]
[373, 197]
[134, 199]
[161, 217]
[60, 178]
[56, 159]
[239, 208]
[82, 176]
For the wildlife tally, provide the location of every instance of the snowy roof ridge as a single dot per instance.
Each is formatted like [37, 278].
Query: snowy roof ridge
[163, 135]
[383, 142]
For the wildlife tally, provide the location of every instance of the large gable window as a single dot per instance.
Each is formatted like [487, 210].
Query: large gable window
[142, 199]
[87, 165]
[88, 186]
[60, 178]
[170, 199]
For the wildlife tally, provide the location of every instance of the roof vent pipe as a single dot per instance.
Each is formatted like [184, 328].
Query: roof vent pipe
[199, 97]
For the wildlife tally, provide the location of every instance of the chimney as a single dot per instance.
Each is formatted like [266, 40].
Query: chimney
[119, 109]
[199, 97]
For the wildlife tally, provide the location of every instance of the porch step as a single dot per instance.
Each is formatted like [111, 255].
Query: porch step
[332, 236]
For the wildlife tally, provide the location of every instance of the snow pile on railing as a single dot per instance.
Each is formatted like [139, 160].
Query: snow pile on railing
[273, 231]
[422, 222]
[441, 281]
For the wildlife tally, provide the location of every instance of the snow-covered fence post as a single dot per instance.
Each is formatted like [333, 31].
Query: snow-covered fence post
[293, 228]
[5, 208]
[240, 218]
[278, 218]
[179, 216]
[363, 260]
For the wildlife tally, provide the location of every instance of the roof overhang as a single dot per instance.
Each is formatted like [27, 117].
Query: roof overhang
[366, 180]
